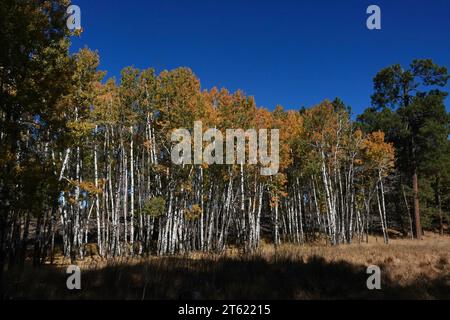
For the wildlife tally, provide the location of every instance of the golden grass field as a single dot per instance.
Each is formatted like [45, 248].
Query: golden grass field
[410, 270]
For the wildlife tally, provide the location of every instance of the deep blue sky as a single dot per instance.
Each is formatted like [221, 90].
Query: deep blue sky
[293, 53]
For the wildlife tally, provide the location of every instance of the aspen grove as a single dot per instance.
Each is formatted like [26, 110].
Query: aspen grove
[86, 161]
[116, 186]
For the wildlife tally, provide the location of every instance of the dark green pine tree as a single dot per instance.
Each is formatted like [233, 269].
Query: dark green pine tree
[408, 106]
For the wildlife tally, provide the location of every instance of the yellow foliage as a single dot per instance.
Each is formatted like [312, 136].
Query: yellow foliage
[378, 153]
[193, 213]
[87, 186]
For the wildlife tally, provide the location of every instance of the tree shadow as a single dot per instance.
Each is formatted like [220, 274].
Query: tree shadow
[224, 278]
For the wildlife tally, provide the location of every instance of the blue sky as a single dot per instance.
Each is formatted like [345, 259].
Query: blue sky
[292, 53]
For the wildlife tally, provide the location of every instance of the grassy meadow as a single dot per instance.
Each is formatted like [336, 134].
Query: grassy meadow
[410, 270]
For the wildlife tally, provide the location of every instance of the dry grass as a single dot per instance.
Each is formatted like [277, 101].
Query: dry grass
[410, 270]
[404, 261]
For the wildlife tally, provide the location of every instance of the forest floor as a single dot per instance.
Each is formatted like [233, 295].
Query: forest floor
[410, 270]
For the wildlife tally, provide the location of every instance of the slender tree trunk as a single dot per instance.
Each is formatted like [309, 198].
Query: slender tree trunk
[417, 223]
[97, 201]
[132, 190]
[411, 228]
[439, 205]
[383, 206]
